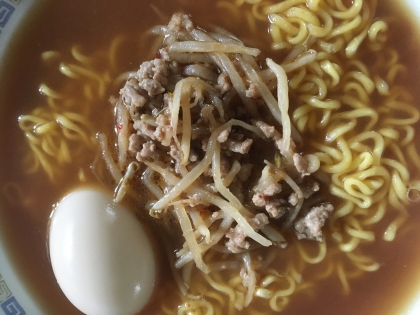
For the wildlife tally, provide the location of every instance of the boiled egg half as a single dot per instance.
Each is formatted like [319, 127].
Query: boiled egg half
[101, 254]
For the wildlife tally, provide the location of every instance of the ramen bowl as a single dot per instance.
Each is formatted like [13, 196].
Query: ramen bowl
[24, 281]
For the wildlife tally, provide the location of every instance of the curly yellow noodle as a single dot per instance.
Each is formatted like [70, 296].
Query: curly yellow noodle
[317, 103]
[355, 89]
[398, 153]
[409, 135]
[354, 44]
[79, 56]
[215, 296]
[347, 13]
[70, 129]
[394, 71]
[235, 281]
[196, 307]
[413, 155]
[363, 262]
[31, 163]
[343, 210]
[300, 36]
[113, 50]
[366, 160]
[33, 139]
[345, 27]
[282, 6]
[389, 133]
[278, 303]
[47, 91]
[49, 147]
[338, 191]
[40, 157]
[315, 67]
[349, 246]
[303, 14]
[340, 130]
[314, 82]
[346, 158]
[343, 278]
[284, 24]
[332, 152]
[221, 288]
[49, 56]
[377, 30]
[353, 228]
[390, 232]
[278, 42]
[257, 10]
[333, 46]
[333, 70]
[378, 215]
[363, 79]
[322, 31]
[316, 259]
[412, 112]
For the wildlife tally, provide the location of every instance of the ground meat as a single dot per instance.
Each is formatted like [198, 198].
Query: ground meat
[301, 163]
[269, 131]
[259, 200]
[223, 83]
[131, 95]
[272, 189]
[259, 221]
[293, 199]
[163, 129]
[147, 150]
[153, 76]
[252, 91]
[161, 132]
[135, 143]
[223, 136]
[174, 68]
[310, 226]
[285, 151]
[268, 185]
[237, 236]
[164, 54]
[175, 22]
[239, 147]
[179, 20]
[144, 129]
[275, 208]
[236, 242]
[176, 155]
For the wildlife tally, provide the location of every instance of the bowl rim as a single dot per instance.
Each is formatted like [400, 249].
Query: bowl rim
[15, 296]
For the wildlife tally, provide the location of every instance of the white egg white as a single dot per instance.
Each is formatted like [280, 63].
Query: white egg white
[101, 255]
